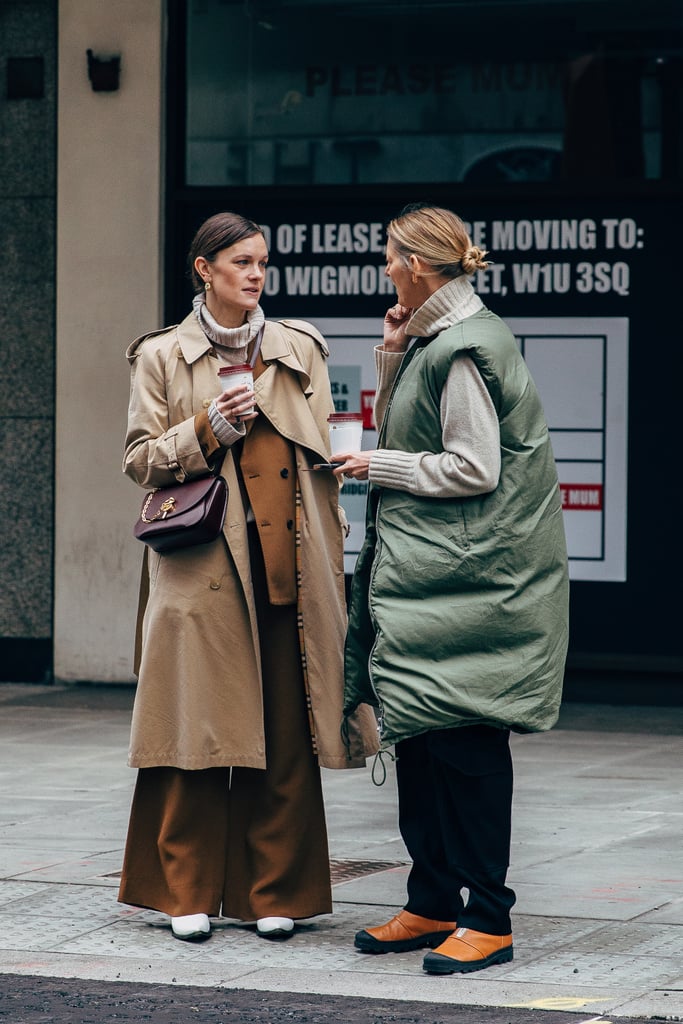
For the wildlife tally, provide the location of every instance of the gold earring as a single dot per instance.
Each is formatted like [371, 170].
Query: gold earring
[207, 286]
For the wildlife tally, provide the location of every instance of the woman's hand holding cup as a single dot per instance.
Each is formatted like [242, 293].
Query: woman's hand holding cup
[236, 404]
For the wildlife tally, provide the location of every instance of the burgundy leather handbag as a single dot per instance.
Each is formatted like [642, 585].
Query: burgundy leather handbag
[183, 515]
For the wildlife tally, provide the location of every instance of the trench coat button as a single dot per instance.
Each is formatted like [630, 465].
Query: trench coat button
[206, 402]
[215, 584]
[290, 524]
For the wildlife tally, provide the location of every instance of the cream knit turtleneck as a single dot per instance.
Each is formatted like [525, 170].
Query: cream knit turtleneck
[454, 301]
[470, 461]
[230, 342]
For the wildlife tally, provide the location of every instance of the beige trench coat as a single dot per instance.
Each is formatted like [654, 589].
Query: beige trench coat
[199, 697]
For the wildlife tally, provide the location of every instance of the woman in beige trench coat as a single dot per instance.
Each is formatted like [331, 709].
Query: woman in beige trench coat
[240, 643]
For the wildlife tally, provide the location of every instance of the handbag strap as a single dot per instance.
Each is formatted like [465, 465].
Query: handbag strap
[257, 347]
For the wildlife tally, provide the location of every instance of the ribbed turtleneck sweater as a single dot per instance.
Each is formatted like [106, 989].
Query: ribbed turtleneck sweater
[470, 461]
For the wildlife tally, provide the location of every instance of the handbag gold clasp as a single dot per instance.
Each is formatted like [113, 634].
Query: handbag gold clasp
[167, 505]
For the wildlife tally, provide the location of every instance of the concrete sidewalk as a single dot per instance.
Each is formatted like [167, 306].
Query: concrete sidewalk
[597, 865]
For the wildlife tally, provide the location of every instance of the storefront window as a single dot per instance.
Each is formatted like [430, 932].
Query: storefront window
[368, 92]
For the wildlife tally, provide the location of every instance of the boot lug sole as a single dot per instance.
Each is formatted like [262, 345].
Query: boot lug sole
[448, 966]
[402, 945]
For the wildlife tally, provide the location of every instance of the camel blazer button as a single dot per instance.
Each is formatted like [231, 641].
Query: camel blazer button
[215, 584]
[284, 473]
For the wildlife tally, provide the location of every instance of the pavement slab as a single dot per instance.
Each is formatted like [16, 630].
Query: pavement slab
[596, 865]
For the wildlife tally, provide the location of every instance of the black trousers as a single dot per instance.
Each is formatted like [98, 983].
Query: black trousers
[455, 816]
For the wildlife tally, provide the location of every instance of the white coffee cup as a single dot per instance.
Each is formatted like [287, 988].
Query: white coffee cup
[346, 432]
[233, 376]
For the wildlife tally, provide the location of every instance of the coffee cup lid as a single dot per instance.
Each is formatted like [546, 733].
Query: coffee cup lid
[345, 417]
[240, 368]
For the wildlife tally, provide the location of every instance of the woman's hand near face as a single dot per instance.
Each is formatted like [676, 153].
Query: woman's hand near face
[395, 339]
[236, 404]
[353, 464]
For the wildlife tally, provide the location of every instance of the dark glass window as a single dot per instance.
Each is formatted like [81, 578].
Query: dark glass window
[481, 91]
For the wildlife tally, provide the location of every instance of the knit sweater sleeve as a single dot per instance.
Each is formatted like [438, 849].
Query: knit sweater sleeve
[223, 429]
[470, 461]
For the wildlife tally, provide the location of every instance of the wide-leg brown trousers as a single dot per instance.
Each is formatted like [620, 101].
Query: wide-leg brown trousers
[242, 842]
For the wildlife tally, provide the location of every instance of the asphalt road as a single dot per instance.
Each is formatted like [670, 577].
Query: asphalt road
[31, 1000]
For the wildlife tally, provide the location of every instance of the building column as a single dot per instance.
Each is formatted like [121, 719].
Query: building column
[109, 191]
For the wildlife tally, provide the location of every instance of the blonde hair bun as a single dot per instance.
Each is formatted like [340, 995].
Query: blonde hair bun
[473, 259]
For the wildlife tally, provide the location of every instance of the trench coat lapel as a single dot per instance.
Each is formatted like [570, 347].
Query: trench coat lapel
[275, 347]
[192, 340]
[292, 419]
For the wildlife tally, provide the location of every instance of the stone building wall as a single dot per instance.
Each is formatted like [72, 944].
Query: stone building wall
[28, 45]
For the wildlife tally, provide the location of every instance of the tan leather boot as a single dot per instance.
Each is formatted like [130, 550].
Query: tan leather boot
[468, 950]
[405, 931]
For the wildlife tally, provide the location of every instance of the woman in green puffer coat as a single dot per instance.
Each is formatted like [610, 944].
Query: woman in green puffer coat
[459, 606]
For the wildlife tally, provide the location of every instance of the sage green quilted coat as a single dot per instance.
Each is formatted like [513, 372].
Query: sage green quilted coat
[459, 606]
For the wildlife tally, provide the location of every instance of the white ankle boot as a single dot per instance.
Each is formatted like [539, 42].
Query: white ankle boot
[191, 926]
[274, 927]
